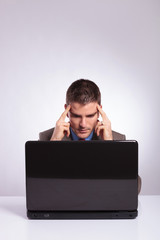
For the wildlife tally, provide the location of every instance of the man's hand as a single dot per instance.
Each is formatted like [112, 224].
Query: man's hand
[103, 128]
[62, 127]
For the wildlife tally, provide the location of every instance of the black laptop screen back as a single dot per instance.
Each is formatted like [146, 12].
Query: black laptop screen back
[72, 175]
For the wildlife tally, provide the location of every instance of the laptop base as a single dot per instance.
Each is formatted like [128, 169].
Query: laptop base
[82, 214]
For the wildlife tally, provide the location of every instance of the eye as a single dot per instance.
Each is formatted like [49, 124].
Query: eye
[90, 116]
[75, 115]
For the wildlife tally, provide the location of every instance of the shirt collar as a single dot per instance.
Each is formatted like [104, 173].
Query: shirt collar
[76, 138]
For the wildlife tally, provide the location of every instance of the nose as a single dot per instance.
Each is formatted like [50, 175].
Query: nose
[83, 122]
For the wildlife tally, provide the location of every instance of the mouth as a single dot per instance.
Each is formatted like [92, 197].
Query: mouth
[83, 131]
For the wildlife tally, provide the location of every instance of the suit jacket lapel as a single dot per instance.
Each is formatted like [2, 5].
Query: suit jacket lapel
[95, 137]
[65, 138]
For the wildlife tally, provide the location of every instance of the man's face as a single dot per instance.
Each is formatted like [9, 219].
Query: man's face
[83, 118]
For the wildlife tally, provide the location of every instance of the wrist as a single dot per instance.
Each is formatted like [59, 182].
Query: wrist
[108, 137]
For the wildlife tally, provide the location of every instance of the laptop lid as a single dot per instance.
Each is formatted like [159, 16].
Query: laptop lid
[81, 176]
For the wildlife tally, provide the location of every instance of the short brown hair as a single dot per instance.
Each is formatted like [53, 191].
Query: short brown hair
[83, 91]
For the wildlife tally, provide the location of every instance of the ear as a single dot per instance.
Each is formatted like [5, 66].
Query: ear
[98, 111]
[65, 106]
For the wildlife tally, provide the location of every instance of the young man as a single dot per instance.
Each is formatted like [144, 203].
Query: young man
[83, 108]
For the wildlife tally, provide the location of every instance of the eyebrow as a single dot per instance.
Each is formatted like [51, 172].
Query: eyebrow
[89, 115]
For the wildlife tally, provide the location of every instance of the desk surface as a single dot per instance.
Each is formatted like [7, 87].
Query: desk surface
[14, 224]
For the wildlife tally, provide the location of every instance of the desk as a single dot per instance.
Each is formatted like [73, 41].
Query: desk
[14, 224]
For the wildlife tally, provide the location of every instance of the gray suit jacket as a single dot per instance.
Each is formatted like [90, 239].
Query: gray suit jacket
[46, 136]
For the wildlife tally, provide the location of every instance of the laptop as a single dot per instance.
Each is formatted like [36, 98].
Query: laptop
[81, 179]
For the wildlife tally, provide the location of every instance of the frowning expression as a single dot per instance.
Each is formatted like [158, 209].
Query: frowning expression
[83, 118]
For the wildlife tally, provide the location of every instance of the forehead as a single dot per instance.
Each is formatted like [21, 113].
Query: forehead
[82, 109]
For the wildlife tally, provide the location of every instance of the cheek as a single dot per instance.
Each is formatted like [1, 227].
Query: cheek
[93, 122]
[74, 121]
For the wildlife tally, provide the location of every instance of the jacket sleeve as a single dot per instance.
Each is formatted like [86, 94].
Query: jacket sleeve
[46, 135]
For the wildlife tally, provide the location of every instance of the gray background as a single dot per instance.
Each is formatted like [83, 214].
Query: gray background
[46, 45]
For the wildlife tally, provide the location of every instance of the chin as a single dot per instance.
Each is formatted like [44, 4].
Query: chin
[83, 135]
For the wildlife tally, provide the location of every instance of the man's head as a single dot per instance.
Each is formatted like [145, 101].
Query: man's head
[83, 91]
[83, 96]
